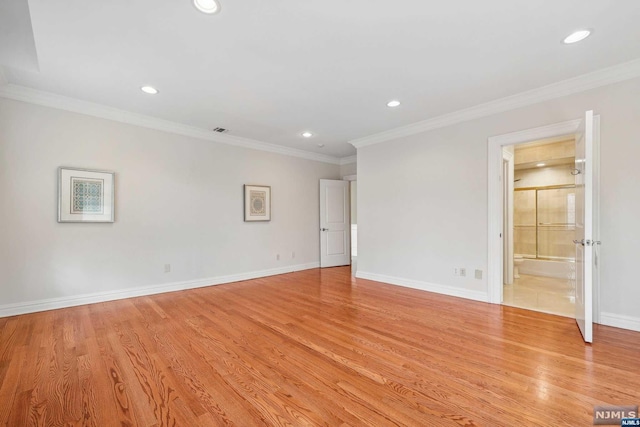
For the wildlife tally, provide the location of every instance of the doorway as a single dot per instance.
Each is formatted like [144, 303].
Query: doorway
[539, 226]
[335, 231]
[586, 131]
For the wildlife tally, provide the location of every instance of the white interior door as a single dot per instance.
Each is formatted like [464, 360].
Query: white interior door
[335, 226]
[584, 227]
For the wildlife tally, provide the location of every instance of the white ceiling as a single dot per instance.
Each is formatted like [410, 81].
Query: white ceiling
[268, 70]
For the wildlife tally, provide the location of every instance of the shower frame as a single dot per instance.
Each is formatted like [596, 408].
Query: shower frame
[544, 187]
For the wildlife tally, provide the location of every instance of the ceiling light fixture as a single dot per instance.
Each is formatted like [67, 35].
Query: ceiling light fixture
[207, 6]
[541, 165]
[393, 103]
[576, 36]
[307, 134]
[149, 89]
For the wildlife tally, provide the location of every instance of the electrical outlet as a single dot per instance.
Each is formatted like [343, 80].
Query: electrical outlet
[463, 272]
[478, 274]
[293, 254]
[456, 271]
[277, 257]
[167, 268]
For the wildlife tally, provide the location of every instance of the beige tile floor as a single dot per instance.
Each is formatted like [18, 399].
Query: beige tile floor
[546, 294]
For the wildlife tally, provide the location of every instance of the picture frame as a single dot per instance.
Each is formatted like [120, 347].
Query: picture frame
[85, 195]
[257, 203]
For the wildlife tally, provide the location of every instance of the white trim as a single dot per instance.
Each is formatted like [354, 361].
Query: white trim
[348, 160]
[425, 286]
[596, 218]
[72, 301]
[495, 214]
[47, 99]
[620, 321]
[595, 79]
[558, 129]
[507, 232]
[354, 241]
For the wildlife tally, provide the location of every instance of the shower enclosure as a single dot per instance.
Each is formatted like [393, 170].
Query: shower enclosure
[544, 222]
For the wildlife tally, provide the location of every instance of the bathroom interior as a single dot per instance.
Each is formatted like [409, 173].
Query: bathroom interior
[542, 256]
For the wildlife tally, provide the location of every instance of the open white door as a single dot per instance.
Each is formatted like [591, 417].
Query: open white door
[584, 227]
[335, 226]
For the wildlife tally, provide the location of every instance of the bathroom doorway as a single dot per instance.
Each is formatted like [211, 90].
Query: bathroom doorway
[586, 132]
[539, 220]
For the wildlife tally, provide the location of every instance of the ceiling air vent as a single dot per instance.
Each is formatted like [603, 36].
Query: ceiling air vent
[221, 130]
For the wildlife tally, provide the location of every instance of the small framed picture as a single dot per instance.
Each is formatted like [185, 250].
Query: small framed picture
[85, 195]
[257, 203]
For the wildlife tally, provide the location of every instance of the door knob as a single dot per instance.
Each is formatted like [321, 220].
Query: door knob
[324, 229]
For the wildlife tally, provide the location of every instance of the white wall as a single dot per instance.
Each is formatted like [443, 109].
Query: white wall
[348, 169]
[179, 200]
[423, 198]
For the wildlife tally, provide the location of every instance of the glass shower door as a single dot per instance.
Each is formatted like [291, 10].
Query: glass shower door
[556, 220]
[524, 223]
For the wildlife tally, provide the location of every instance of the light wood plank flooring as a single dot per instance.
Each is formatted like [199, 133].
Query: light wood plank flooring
[316, 347]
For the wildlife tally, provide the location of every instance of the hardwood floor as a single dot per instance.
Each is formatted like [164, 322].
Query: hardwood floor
[310, 348]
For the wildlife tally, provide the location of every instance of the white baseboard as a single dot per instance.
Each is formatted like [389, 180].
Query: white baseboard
[425, 286]
[63, 302]
[620, 321]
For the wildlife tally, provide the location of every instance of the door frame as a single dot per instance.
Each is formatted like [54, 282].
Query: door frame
[495, 219]
[507, 209]
[351, 178]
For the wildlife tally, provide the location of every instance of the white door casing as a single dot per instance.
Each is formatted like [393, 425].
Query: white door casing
[507, 201]
[335, 225]
[495, 206]
[584, 240]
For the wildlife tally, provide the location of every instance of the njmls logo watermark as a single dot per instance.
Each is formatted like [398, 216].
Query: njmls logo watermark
[615, 415]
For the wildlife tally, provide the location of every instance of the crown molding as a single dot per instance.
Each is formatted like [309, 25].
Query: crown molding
[348, 160]
[48, 99]
[595, 79]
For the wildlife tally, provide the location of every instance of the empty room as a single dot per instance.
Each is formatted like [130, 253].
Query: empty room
[364, 213]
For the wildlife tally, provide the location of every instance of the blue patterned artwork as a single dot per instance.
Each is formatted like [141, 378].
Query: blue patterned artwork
[86, 196]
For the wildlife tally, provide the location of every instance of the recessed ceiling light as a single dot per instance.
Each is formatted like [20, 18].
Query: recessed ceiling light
[307, 134]
[541, 165]
[393, 103]
[207, 6]
[576, 36]
[149, 89]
